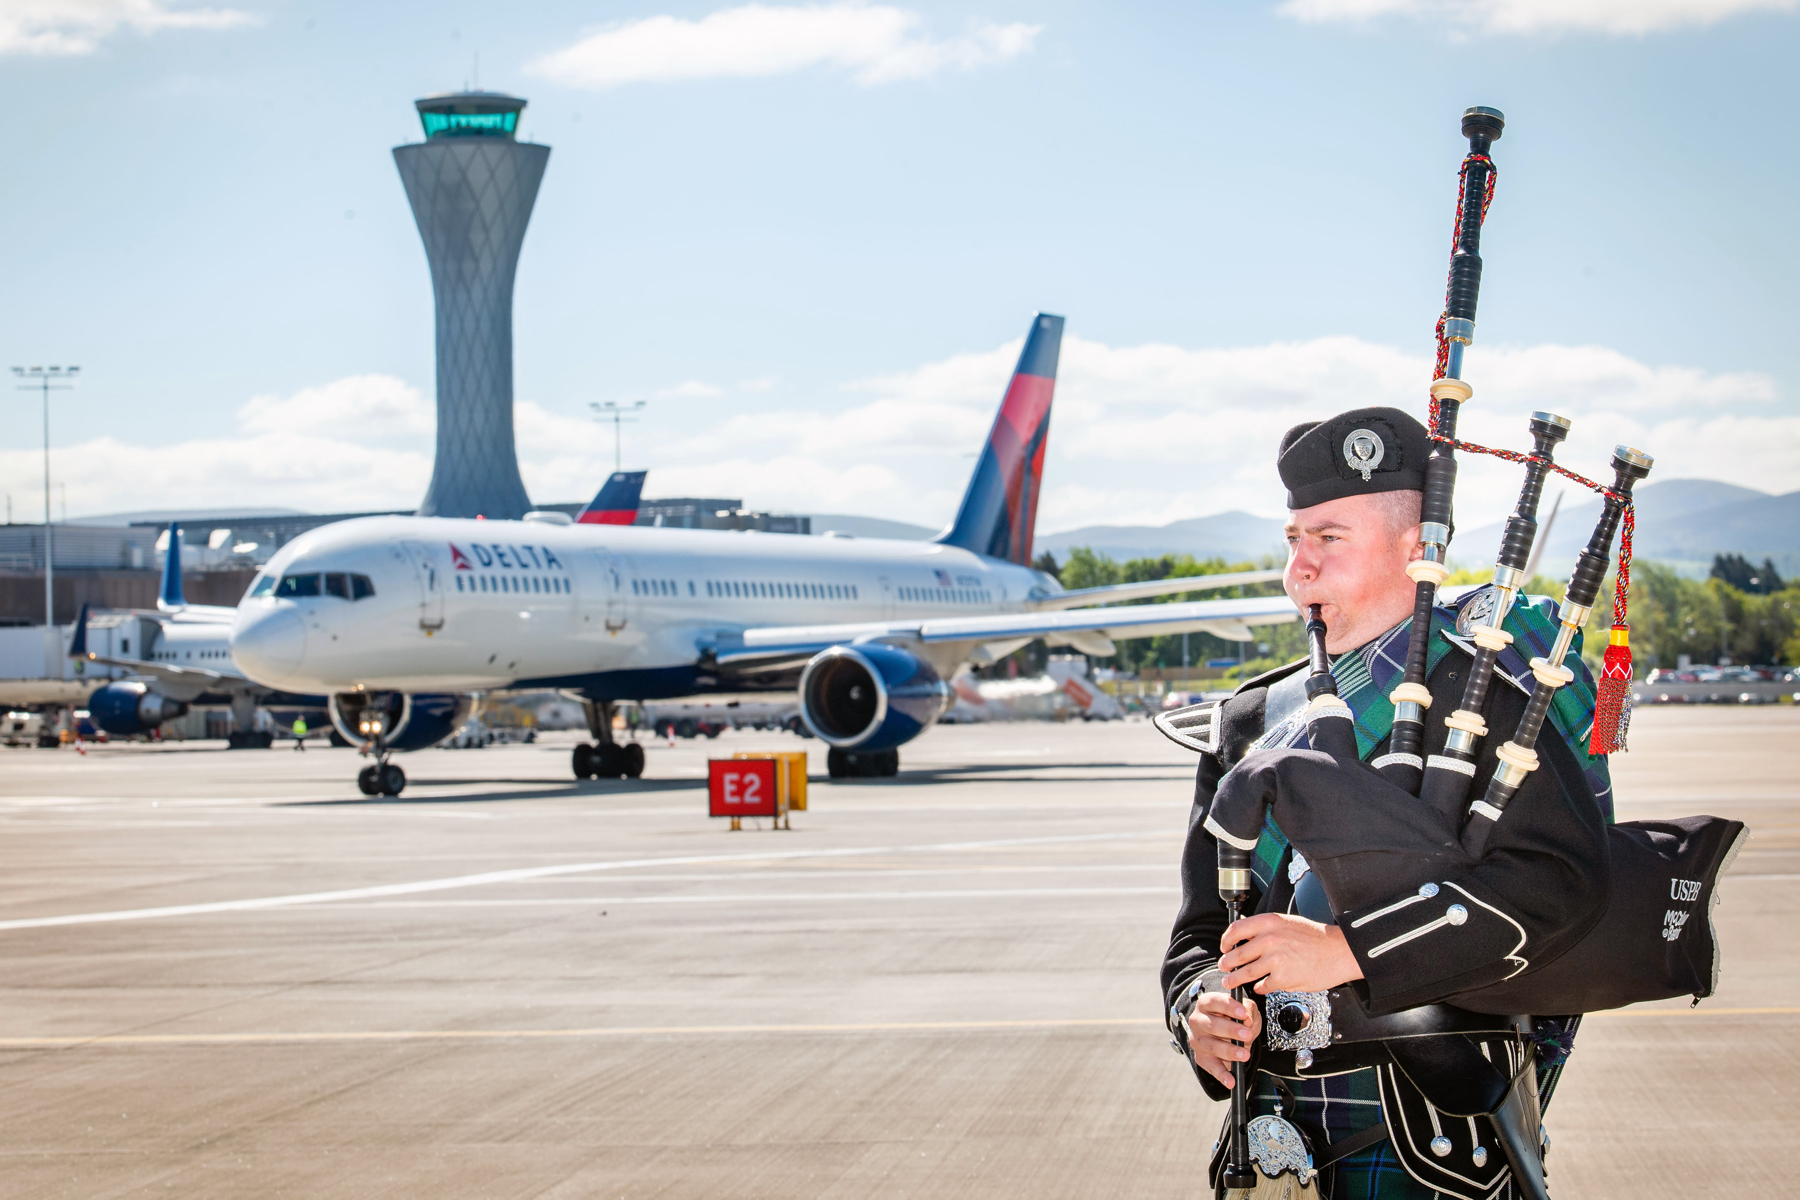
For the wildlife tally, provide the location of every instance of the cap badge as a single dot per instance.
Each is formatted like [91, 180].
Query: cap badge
[1363, 451]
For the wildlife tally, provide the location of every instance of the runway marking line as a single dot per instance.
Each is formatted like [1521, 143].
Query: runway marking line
[519, 874]
[596, 1033]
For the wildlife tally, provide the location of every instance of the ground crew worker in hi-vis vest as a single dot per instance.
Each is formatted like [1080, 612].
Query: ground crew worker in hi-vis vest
[299, 733]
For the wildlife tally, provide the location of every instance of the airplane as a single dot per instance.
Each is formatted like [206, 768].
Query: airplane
[1063, 688]
[185, 660]
[864, 631]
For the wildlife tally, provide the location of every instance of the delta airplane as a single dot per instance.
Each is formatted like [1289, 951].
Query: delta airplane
[866, 630]
[186, 657]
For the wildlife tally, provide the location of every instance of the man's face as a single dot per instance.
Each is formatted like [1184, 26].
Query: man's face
[1349, 556]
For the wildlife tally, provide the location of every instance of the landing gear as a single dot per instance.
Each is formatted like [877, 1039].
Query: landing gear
[381, 779]
[608, 759]
[862, 764]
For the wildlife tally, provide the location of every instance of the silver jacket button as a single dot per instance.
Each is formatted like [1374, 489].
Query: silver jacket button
[1456, 914]
[1428, 890]
[1303, 1059]
[1480, 1156]
[1440, 1145]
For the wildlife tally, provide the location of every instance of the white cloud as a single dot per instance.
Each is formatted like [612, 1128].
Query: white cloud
[366, 406]
[78, 26]
[1626, 17]
[877, 43]
[691, 389]
[1141, 435]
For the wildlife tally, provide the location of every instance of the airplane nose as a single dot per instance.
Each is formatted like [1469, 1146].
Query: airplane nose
[271, 643]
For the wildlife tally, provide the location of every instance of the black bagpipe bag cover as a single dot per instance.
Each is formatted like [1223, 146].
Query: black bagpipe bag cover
[1655, 938]
[1369, 841]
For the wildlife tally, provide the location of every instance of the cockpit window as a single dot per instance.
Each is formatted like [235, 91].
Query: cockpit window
[264, 584]
[336, 584]
[361, 587]
[298, 585]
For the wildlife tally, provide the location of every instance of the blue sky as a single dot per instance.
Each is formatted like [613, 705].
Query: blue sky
[812, 238]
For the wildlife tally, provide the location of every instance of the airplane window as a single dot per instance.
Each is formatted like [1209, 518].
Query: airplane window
[298, 585]
[361, 587]
[853, 594]
[337, 585]
[264, 584]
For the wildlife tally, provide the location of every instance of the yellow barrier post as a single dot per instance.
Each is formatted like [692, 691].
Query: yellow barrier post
[790, 781]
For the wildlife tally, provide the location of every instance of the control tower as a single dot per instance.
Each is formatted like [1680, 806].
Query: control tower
[471, 186]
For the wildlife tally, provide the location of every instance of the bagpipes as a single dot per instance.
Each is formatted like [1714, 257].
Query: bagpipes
[1369, 837]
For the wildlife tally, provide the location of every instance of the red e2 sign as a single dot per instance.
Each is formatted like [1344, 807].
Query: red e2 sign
[741, 787]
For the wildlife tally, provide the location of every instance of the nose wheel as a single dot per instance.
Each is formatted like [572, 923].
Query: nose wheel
[381, 779]
[605, 759]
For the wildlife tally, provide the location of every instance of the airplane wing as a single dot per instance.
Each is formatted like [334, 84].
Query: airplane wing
[1082, 597]
[775, 647]
[211, 681]
[187, 677]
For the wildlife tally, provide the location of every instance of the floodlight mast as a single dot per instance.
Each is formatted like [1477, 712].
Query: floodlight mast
[612, 410]
[46, 380]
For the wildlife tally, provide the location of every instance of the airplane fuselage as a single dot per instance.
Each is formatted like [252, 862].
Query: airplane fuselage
[622, 612]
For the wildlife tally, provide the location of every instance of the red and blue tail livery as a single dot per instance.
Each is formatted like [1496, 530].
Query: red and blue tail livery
[999, 511]
[617, 503]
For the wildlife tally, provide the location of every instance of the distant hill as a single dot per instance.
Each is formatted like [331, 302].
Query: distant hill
[870, 527]
[1680, 522]
[1235, 536]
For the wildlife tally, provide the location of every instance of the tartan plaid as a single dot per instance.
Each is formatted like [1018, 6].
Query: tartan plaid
[1337, 1106]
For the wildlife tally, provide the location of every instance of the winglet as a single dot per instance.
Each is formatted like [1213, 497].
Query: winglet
[617, 503]
[171, 598]
[999, 511]
[78, 643]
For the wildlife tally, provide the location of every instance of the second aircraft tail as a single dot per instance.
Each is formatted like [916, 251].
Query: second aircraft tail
[617, 503]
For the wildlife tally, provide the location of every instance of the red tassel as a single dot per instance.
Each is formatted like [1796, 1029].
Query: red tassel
[1612, 706]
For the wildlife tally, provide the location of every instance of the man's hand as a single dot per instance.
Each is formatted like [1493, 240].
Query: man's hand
[1215, 1027]
[1286, 954]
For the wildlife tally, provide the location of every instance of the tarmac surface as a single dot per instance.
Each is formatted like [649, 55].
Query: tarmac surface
[226, 973]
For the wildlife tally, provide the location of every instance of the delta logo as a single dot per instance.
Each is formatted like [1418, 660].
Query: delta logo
[507, 557]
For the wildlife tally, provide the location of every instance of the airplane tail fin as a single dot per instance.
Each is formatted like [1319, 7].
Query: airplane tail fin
[78, 643]
[617, 503]
[999, 511]
[171, 597]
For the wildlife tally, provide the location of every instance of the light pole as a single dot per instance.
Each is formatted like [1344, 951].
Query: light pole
[615, 412]
[47, 380]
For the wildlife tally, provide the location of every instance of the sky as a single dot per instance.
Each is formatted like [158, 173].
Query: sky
[811, 237]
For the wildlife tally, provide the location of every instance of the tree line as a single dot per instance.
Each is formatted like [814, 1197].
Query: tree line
[1744, 613]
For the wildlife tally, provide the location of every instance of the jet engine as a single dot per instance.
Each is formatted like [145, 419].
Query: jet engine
[130, 707]
[870, 697]
[397, 720]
